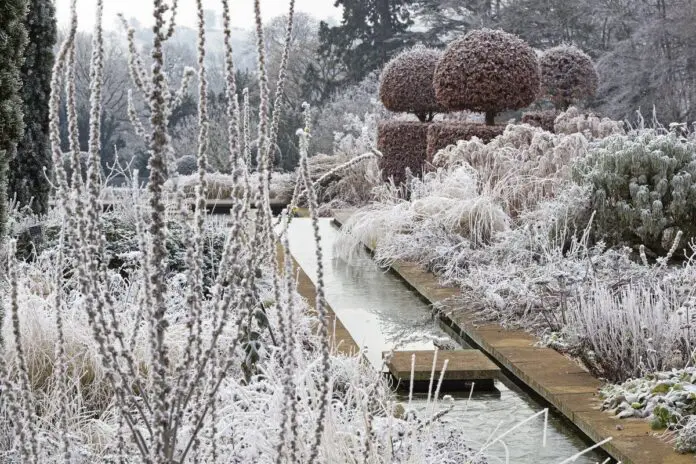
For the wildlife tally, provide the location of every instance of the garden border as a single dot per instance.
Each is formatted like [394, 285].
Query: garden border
[557, 379]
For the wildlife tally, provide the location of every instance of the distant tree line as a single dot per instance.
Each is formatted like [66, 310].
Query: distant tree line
[644, 49]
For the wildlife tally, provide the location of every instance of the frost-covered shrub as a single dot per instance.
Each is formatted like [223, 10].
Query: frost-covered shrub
[664, 398]
[403, 145]
[644, 188]
[359, 135]
[522, 166]
[573, 121]
[444, 134]
[567, 75]
[444, 205]
[632, 330]
[13, 40]
[186, 165]
[487, 71]
[341, 120]
[406, 83]
[221, 186]
[122, 246]
[543, 119]
[343, 182]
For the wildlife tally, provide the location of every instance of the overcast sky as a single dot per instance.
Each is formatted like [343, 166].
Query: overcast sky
[242, 11]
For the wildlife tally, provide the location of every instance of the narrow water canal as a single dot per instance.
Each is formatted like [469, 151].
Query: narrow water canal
[382, 313]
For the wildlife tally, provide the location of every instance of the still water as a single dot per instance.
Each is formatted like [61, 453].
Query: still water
[382, 313]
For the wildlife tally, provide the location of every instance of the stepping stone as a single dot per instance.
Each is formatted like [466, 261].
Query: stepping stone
[464, 368]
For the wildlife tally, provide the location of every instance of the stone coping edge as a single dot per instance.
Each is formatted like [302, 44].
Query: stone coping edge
[557, 379]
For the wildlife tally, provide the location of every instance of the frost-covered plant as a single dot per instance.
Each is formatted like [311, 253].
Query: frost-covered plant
[68, 165]
[487, 71]
[664, 398]
[644, 188]
[632, 330]
[359, 135]
[185, 135]
[223, 186]
[448, 200]
[27, 177]
[346, 114]
[186, 165]
[592, 126]
[522, 166]
[567, 75]
[406, 83]
[343, 181]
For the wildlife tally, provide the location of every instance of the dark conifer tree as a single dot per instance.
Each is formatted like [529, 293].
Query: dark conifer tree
[13, 37]
[26, 176]
[371, 32]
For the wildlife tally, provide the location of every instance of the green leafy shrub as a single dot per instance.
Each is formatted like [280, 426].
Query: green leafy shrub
[487, 71]
[644, 188]
[406, 84]
[403, 145]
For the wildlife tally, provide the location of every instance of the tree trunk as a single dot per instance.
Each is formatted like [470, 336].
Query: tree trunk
[490, 118]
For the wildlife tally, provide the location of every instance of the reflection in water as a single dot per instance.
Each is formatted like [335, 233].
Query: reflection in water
[381, 313]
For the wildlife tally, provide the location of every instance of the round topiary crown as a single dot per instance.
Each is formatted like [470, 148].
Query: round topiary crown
[567, 75]
[406, 83]
[487, 71]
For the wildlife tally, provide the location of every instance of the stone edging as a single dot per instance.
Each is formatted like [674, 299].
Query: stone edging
[342, 340]
[561, 382]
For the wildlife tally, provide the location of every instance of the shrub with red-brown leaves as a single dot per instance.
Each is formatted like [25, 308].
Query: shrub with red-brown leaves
[487, 71]
[406, 84]
[542, 119]
[403, 145]
[567, 75]
[443, 134]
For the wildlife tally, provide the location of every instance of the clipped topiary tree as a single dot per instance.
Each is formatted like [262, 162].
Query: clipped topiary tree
[403, 144]
[644, 188]
[487, 71]
[406, 83]
[13, 38]
[567, 75]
